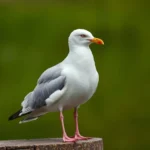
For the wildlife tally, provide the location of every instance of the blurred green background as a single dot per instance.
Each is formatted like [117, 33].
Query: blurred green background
[33, 37]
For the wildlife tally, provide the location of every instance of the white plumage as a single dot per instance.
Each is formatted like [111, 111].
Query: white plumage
[66, 85]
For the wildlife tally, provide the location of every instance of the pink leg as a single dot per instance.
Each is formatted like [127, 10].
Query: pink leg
[65, 137]
[78, 136]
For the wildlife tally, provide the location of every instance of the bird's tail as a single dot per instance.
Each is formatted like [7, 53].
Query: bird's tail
[17, 115]
[28, 119]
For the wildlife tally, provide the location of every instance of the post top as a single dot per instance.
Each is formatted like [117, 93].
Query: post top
[52, 144]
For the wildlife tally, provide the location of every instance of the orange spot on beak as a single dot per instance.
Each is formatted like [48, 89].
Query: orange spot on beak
[97, 41]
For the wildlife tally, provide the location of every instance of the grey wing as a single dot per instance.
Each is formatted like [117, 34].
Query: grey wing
[50, 74]
[43, 91]
[49, 82]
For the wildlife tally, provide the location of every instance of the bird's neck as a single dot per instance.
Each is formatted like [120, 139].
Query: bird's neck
[81, 56]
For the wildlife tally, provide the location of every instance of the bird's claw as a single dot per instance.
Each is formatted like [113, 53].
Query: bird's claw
[68, 139]
[80, 137]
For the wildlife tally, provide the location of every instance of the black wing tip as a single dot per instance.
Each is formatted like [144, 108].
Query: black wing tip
[15, 115]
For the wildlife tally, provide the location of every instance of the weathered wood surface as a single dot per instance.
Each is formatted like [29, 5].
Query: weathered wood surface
[51, 144]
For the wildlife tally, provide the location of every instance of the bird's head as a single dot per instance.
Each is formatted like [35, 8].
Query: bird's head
[83, 37]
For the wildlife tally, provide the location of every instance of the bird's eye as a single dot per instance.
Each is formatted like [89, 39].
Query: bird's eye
[83, 35]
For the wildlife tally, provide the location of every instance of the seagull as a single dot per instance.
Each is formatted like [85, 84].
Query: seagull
[66, 85]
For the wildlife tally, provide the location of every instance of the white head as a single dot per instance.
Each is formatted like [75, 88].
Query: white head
[81, 37]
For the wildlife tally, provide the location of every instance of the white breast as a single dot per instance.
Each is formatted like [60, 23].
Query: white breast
[82, 78]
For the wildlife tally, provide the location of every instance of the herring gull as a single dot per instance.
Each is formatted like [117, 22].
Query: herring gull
[66, 85]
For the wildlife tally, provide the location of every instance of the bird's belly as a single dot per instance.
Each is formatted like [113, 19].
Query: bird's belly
[76, 98]
[79, 92]
[76, 93]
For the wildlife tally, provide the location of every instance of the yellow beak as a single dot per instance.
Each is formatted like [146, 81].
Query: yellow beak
[97, 41]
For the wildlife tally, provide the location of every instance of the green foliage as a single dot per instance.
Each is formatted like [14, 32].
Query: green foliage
[33, 37]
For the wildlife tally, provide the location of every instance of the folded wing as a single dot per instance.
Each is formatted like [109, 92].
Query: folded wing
[49, 82]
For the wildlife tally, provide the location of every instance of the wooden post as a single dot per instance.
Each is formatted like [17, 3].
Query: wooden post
[51, 144]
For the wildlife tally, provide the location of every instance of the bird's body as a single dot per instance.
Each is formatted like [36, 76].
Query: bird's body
[66, 85]
[84, 83]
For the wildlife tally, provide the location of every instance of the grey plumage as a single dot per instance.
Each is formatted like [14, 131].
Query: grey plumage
[50, 74]
[49, 82]
[44, 90]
